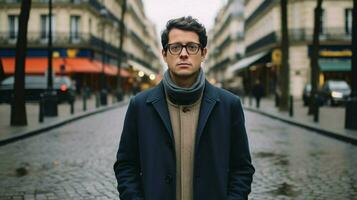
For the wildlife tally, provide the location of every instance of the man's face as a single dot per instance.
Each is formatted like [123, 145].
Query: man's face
[185, 64]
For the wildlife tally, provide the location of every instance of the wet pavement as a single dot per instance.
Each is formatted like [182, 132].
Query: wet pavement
[294, 163]
[75, 162]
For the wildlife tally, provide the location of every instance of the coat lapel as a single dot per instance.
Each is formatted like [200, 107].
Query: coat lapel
[157, 99]
[210, 97]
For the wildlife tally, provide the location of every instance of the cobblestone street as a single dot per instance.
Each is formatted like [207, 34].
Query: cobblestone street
[294, 163]
[75, 162]
[71, 162]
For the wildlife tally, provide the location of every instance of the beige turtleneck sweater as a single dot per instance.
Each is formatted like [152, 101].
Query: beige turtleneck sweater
[184, 121]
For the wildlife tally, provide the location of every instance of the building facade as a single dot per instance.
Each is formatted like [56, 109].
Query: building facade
[262, 38]
[86, 40]
[225, 42]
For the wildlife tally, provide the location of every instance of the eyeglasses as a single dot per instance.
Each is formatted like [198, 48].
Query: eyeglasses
[191, 48]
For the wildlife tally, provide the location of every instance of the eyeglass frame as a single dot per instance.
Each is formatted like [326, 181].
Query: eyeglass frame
[184, 46]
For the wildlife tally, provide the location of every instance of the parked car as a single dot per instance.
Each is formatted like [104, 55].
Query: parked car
[35, 85]
[335, 92]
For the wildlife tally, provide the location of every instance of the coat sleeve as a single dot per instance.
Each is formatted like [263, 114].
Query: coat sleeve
[241, 169]
[127, 166]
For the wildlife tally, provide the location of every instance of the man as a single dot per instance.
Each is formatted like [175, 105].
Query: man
[184, 139]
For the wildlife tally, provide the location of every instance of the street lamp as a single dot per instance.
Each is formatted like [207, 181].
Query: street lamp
[103, 89]
[50, 96]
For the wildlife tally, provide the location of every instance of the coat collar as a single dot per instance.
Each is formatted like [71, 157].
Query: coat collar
[158, 93]
[158, 100]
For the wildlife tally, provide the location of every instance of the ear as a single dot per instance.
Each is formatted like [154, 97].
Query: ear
[203, 54]
[164, 55]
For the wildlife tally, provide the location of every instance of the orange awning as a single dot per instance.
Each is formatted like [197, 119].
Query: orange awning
[33, 65]
[82, 65]
[72, 66]
[113, 70]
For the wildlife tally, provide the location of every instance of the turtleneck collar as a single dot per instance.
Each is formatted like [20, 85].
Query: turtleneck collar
[184, 96]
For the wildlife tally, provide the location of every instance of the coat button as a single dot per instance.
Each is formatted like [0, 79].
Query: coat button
[185, 109]
[168, 179]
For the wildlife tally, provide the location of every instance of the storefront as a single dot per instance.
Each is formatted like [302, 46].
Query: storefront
[77, 64]
[334, 63]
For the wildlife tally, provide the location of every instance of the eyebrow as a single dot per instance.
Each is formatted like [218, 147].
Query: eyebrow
[183, 43]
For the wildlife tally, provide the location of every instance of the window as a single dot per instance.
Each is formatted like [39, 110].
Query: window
[45, 26]
[90, 26]
[348, 20]
[13, 26]
[75, 28]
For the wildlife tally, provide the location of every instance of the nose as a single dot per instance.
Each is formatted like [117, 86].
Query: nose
[184, 53]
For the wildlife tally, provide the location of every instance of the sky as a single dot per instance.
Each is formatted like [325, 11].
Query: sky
[160, 11]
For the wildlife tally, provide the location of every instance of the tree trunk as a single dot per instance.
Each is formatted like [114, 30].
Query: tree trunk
[2, 71]
[18, 109]
[121, 53]
[351, 107]
[315, 69]
[284, 69]
[354, 51]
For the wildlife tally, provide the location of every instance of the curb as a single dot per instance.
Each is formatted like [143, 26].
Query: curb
[321, 131]
[30, 133]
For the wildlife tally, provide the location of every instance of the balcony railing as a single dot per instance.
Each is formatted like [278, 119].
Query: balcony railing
[267, 40]
[258, 11]
[95, 4]
[69, 41]
[221, 64]
[92, 2]
[328, 34]
[41, 38]
[331, 34]
[225, 43]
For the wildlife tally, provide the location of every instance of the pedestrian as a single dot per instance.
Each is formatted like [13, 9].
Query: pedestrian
[258, 92]
[184, 139]
[135, 88]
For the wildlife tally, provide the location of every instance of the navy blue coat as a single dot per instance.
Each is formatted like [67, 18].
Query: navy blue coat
[146, 165]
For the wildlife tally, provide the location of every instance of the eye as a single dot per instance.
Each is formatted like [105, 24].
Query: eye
[175, 47]
[192, 47]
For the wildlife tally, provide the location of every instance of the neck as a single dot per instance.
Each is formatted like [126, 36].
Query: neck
[184, 82]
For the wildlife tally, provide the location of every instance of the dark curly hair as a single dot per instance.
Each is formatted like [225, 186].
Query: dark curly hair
[187, 24]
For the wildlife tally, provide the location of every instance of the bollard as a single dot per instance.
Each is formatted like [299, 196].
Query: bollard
[316, 114]
[40, 113]
[72, 107]
[243, 99]
[250, 100]
[291, 106]
[316, 111]
[97, 100]
[84, 102]
[113, 99]
[276, 99]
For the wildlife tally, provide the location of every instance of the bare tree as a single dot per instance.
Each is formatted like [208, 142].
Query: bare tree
[284, 69]
[18, 109]
[315, 69]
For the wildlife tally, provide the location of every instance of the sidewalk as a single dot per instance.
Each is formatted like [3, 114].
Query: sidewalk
[11, 133]
[331, 119]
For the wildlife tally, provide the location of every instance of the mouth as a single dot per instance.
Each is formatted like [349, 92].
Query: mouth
[183, 64]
